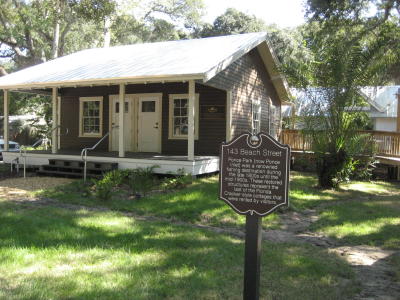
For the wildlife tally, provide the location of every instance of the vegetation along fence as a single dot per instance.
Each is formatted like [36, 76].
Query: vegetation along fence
[387, 143]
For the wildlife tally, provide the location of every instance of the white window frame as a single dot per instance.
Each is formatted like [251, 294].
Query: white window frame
[255, 103]
[171, 134]
[90, 99]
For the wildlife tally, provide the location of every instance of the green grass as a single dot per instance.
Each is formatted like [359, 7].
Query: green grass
[304, 192]
[197, 203]
[374, 222]
[49, 253]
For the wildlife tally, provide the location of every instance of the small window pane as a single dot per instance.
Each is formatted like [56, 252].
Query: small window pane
[148, 106]
[91, 117]
[126, 107]
[116, 107]
[184, 129]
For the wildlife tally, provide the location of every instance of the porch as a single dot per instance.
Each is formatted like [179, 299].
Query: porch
[166, 164]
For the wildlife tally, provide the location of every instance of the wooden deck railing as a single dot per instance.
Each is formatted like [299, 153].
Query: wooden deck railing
[387, 143]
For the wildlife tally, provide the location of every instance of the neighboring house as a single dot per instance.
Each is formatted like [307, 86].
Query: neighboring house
[381, 106]
[181, 99]
[384, 106]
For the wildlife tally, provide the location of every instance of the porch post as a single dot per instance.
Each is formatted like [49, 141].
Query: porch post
[54, 135]
[121, 144]
[228, 116]
[5, 128]
[191, 114]
[398, 112]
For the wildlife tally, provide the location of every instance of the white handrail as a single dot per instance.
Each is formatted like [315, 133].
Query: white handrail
[85, 151]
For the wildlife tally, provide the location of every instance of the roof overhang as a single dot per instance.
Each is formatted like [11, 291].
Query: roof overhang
[102, 81]
[271, 63]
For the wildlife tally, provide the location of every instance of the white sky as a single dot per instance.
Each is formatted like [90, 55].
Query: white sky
[285, 13]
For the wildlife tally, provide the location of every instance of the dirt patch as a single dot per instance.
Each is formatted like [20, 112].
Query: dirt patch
[18, 189]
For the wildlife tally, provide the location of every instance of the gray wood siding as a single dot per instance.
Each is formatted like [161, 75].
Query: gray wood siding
[248, 79]
[211, 132]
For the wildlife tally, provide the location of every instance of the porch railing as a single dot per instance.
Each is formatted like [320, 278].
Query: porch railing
[22, 149]
[85, 152]
[387, 143]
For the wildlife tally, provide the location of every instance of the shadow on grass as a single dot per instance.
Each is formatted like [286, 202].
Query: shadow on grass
[52, 253]
[374, 223]
[196, 203]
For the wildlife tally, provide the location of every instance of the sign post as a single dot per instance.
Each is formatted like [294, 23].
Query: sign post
[254, 179]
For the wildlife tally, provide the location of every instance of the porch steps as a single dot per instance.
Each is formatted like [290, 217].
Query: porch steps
[74, 168]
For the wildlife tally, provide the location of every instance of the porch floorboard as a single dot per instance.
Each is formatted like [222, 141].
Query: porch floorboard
[114, 154]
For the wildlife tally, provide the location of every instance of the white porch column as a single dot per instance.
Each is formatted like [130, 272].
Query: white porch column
[191, 114]
[6, 133]
[121, 144]
[54, 133]
[228, 116]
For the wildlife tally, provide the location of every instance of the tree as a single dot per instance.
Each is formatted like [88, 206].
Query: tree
[232, 21]
[343, 59]
[352, 9]
[35, 31]
[372, 18]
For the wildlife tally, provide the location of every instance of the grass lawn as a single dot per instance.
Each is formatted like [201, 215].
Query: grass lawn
[374, 222]
[51, 253]
[199, 202]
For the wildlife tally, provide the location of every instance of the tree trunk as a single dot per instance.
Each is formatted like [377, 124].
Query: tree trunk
[107, 31]
[56, 31]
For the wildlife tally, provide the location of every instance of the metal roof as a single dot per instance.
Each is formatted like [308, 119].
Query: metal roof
[198, 59]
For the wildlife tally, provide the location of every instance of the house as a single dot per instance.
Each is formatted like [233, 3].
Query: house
[384, 107]
[381, 104]
[168, 104]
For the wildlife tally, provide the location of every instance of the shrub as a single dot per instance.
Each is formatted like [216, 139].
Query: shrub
[181, 180]
[103, 187]
[142, 180]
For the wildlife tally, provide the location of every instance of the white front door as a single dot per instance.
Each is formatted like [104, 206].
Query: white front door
[128, 130]
[149, 124]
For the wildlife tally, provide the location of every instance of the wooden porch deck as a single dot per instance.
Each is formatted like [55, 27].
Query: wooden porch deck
[166, 164]
[114, 154]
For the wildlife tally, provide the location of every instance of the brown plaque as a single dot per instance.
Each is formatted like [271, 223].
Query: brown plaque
[212, 111]
[254, 174]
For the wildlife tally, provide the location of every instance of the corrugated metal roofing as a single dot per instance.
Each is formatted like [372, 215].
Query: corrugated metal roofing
[184, 59]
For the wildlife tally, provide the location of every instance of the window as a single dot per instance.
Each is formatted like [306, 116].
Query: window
[148, 106]
[178, 116]
[91, 116]
[256, 116]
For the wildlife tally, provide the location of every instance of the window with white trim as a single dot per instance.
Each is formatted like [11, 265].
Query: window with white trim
[256, 116]
[90, 116]
[178, 116]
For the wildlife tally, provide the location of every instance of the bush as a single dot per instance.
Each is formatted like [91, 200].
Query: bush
[103, 187]
[142, 180]
[179, 181]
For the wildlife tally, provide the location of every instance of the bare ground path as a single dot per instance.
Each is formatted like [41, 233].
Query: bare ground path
[374, 272]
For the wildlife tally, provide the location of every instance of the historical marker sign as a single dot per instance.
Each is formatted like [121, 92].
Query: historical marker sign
[254, 176]
[254, 179]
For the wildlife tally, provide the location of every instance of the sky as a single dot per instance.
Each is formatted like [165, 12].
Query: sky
[285, 13]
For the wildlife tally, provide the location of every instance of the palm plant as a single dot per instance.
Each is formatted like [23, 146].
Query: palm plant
[342, 63]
